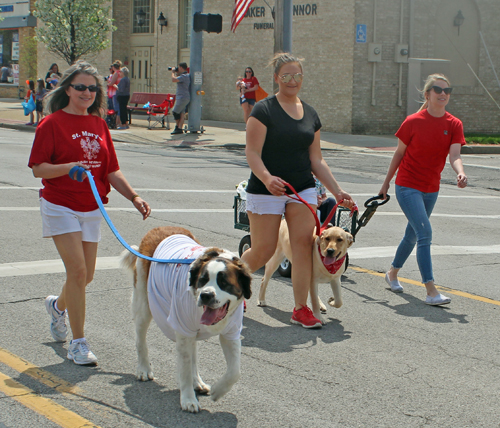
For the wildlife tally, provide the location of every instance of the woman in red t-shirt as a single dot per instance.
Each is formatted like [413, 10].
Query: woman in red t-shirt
[74, 135]
[425, 139]
[247, 86]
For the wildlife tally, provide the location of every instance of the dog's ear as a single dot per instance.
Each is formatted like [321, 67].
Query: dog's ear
[349, 238]
[194, 271]
[244, 277]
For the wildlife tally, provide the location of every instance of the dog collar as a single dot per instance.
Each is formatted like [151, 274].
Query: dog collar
[335, 266]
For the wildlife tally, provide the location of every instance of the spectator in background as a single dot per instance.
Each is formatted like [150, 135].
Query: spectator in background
[30, 94]
[6, 72]
[182, 95]
[123, 95]
[54, 69]
[247, 86]
[39, 94]
[113, 82]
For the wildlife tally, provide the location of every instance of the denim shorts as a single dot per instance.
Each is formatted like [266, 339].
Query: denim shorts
[270, 204]
[246, 100]
[58, 220]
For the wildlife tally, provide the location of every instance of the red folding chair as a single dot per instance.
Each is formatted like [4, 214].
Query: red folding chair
[157, 113]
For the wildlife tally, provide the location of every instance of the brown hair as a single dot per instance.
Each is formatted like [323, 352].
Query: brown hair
[58, 99]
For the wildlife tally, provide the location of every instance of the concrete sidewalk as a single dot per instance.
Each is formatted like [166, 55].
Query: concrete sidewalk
[216, 133]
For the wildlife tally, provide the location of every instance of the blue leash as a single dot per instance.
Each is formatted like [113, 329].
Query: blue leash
[79, 177]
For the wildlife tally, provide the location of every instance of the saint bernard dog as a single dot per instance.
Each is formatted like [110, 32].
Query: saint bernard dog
[189, 303]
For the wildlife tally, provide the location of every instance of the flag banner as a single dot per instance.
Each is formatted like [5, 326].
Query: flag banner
[239, 12]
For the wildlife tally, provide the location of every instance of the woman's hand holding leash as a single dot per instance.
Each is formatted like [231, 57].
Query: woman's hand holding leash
[77, 171]
[275, 185]
[346, 199]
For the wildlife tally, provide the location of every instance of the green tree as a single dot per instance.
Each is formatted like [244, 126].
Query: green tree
[72, 29]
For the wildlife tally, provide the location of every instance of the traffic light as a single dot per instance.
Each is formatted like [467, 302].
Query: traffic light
[209, 23]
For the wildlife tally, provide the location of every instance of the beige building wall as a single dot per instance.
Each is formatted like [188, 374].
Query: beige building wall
[351, 93]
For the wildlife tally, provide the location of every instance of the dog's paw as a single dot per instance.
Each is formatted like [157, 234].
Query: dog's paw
[321, 318]
[218, 391]
[202, 388]
[322, 307]
[261, 303]
[145, 373]
[333, 303]
[190, 404]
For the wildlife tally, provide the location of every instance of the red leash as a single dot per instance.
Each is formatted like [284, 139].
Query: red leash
[319, 228]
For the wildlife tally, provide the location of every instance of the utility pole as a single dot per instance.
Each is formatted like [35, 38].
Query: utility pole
[283, 18]
[195, 58]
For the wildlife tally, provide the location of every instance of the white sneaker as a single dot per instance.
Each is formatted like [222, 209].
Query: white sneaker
[440, 299]
[80, 353]
[396, 287]
[58, 327]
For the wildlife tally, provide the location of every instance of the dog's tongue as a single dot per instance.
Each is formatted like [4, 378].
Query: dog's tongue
[327, 261]
[212, 316]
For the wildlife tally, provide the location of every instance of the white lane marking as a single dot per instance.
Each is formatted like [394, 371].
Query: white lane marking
[436, 250]
[462, 195]
[39, 267]
[230, 210]
[50, 266]
[155, 210]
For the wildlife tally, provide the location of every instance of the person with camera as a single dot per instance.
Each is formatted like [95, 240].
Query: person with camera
[180, 76]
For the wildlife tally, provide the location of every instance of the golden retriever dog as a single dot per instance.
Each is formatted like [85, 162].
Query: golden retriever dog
[329, 263]
[189, 302]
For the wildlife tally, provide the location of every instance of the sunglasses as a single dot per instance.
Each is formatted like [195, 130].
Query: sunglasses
[287, 77]
[83, 88]
[439, 89]
[248, 71]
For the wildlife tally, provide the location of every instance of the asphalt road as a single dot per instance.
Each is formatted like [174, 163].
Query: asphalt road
[383, 359]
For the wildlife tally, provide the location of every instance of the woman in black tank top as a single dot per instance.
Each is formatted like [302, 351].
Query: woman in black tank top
[283, 146]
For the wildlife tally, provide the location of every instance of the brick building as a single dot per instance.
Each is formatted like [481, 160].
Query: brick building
[364, 59]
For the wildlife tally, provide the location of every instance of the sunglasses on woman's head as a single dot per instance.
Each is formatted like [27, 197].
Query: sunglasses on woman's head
[439, 89]
[83, 88]
[285, 78]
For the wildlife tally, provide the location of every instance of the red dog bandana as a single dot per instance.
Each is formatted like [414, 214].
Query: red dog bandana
[330, 263]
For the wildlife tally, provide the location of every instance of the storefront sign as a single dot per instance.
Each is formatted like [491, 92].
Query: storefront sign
[6, 8]
[298, 10]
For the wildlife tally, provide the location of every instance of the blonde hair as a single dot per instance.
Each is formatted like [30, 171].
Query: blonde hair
[282, 58]
[429, 83]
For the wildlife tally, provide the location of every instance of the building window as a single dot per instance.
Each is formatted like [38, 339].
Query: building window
[9, 54]
[185, 20]
[146, 7]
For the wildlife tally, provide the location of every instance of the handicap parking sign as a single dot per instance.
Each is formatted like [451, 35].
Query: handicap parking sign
[361, 33]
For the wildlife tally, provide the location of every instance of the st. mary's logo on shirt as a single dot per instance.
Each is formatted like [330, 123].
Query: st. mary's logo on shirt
[89, 142]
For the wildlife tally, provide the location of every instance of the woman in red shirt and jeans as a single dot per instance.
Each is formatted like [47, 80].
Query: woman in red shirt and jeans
[425, 139]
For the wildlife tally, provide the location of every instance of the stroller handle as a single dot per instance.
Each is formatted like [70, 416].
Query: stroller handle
[373, 201]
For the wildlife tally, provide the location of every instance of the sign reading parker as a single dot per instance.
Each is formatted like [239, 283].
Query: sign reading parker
[307, 9]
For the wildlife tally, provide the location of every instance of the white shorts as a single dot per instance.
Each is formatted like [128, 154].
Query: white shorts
[270, 204]
[58, 220]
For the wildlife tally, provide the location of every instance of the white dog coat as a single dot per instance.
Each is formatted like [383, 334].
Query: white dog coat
[171, 300]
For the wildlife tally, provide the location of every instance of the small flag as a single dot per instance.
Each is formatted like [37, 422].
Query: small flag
[239, 12]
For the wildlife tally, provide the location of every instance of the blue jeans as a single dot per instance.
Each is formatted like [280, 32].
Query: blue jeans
[417, 207]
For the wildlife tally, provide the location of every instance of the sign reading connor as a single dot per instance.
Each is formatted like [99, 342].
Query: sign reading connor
[260, 12]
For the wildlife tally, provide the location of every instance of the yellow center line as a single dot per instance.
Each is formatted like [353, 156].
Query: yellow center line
[446, 289]
[41, 375]
[41, 405]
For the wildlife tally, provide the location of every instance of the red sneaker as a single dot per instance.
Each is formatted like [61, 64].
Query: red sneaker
[305, 318]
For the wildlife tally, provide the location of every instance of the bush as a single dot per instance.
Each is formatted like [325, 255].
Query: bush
[473, 138]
